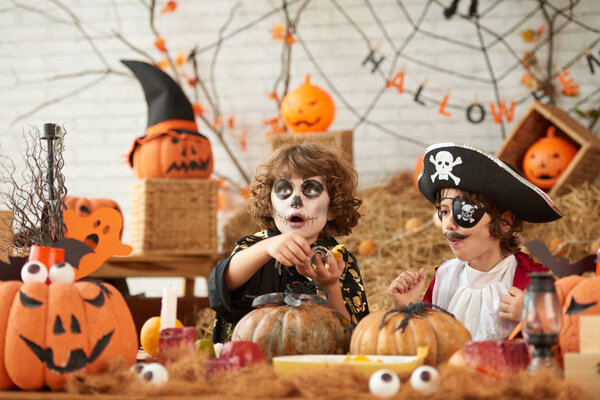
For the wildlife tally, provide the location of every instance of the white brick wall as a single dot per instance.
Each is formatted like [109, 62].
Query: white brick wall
[102, 121]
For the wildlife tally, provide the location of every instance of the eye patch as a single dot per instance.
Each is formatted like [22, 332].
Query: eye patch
[467, 214]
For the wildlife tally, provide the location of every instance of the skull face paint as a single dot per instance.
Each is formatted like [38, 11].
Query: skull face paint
[300, 205]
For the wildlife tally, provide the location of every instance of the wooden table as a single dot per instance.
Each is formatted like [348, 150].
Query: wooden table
[136, 266]
[148, 266]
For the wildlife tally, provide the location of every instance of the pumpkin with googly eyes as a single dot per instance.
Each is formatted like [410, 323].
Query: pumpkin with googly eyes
[308, 108]
[50, 330]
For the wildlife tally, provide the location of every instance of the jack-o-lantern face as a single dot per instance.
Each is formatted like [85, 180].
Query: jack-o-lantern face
[308, 108]
[50, 331]
[172, 155]
[583, 298]
[547, 159]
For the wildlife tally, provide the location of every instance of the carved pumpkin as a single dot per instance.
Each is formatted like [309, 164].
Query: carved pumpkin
[308, 108]
[289, 330]
[172, 147]
[172, 155]
[402, 330]
[547, 159]
[579, 296]
[50, 331]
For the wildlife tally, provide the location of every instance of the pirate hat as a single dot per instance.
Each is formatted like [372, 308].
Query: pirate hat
[169, 110]
[463, 167]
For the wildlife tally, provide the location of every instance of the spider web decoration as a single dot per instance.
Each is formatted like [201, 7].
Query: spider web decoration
[425, 70]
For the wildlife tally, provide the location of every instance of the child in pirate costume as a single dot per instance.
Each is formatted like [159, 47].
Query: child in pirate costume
[481, 204]
[302, 197]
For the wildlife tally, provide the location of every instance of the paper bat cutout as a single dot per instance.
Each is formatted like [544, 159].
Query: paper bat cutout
[101, 230]
[560, 267]
[74, 250]
[575, 307]
[11, 271]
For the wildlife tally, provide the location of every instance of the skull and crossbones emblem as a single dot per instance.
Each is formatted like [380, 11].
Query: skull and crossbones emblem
[466, 212]
[444, 162]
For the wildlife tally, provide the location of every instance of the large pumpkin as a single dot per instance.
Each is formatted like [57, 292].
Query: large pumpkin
[50, 331]
[308, 108]
[289, 330]
[579, 296]
[172, 155]
[547, 159]
[402, 330]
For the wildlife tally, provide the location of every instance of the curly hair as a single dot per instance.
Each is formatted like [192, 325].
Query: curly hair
[509, 240]
[308, 159]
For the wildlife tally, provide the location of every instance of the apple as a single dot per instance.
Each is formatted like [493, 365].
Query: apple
[241, 352]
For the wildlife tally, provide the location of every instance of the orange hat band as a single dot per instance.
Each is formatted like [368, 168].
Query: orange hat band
[172, 124]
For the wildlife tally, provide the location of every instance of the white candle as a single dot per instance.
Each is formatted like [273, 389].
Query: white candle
[168, 309]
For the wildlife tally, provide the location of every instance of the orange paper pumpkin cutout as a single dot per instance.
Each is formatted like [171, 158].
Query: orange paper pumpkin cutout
[50, 331]
[103, 227]
[308, 108]
[547, 159]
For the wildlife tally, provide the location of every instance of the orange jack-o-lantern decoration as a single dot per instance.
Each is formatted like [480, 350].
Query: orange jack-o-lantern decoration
[172, 147]
[48, 331]
[308, 108]
[547, 159]
[172, 155]
[417, 170]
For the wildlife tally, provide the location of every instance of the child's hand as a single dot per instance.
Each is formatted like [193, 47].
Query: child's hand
[289, 249]
[511, 304]
[325, 277]
[407, 287]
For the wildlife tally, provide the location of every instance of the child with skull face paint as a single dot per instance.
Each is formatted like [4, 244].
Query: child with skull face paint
[302, 197]
[481, 204]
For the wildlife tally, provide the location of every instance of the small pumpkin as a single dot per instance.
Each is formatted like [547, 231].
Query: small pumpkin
[308, 108]
[50, 331]
[402, 330]
[547, 159]
[172, 155]
[579, 296]
[288, 330]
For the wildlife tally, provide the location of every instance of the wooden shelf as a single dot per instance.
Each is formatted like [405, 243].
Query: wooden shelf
[157, 265]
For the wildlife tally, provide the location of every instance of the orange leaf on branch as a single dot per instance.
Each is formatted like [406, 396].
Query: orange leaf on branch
[198, 109]
[163, 64]
[273, 96]
[290, 39]
[278, 32]
[169, 7]
[180, 59]
[243, 142]
[160, 45]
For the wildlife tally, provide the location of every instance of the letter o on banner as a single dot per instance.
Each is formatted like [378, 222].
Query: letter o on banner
[470, 112]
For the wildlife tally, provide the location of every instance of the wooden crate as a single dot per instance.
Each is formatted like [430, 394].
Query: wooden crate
[174, 216]
[585, 167]
[584, 368]
[339, 140]
[6, 235]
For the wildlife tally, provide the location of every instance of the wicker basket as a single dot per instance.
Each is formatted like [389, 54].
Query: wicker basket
[174, 216]
[6, 235]
[341, 140]
[584, 167]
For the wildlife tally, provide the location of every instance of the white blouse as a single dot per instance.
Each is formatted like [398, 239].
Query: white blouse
[474, 296]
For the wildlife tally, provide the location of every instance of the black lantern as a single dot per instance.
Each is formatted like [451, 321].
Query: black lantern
[541, 319]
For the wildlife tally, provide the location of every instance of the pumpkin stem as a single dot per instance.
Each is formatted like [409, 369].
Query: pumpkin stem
[418, 309]
[307, 79]
[551, 132]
